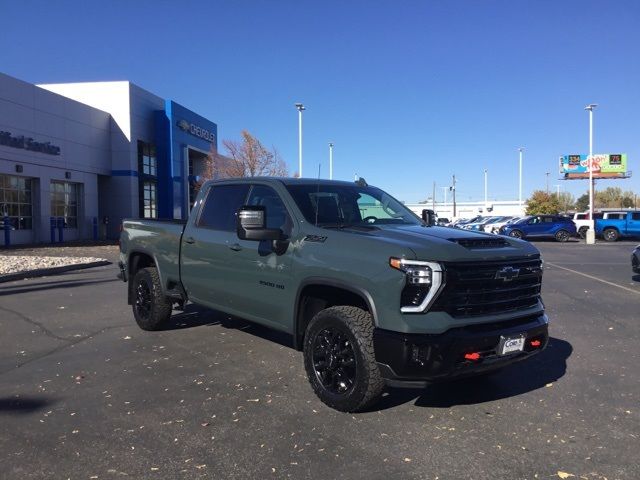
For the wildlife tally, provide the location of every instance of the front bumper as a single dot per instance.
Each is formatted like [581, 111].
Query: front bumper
[413, 360]
[635, 261]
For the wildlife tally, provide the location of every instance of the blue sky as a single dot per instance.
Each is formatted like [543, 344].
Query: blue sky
[410, 92]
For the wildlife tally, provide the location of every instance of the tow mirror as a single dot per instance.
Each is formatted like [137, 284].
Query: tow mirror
[429, 217]
[251, 224]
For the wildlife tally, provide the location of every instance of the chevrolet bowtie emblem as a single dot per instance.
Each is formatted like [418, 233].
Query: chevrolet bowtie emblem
[507, 274]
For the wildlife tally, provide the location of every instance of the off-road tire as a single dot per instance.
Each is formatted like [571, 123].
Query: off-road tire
[562, 236]
[610, 234]
[516, 234]
[356, 325]
[156, 310]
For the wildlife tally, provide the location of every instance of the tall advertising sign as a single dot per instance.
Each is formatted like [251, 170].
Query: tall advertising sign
[607, 165]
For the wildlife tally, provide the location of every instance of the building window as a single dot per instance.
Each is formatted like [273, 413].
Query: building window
[15, 202]
[64, 202]
[147, 179]
[149, 207]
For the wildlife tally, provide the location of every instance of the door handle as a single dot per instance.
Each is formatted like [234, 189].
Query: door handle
[189, 240]
[236, 247]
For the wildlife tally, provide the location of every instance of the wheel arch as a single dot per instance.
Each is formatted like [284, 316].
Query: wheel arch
[317, 293]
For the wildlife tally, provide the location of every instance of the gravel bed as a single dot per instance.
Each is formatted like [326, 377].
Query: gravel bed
[21, 263]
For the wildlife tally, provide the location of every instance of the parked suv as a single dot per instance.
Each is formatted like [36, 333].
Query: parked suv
[540, 226]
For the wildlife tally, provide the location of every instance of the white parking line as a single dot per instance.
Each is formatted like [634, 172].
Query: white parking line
[594, 278]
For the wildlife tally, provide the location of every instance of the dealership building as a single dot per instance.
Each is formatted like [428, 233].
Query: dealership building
[77, 158]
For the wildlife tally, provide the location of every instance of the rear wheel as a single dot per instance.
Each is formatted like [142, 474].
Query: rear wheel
[583, 232]
[339, 358]
[610, 234]
[516, 234]
[151, 309]
[562, 235]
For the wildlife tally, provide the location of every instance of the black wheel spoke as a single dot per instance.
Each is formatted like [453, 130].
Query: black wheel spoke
[334, 361]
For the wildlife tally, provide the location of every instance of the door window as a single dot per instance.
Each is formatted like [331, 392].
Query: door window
[277, 215]
[635, 216]
[221, 207]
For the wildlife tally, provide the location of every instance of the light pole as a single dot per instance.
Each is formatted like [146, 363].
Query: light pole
[547, 174]
[521, 149]
[330, 160]
[444, 189]
[591, 237]
[485, 188]
[300, 108]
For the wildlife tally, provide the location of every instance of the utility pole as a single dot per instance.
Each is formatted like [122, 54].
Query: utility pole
[453, 189]
[300, 107]
[591, 239]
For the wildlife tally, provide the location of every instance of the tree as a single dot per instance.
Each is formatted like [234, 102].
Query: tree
[582, 203]
[248, 158]
[565, 200]
[542, 203]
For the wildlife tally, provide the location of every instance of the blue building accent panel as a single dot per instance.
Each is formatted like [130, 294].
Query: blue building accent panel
[177, 129]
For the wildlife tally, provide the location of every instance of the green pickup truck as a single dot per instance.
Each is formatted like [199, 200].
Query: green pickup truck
[372, 294]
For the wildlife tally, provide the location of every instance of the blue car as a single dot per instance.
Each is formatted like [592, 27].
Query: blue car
[541, 226]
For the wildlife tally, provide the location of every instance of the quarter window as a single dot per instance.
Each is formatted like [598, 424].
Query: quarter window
[221, 207]
[15, 202]
[635, 216]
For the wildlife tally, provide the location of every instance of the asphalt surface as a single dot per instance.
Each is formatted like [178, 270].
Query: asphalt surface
[85, 394]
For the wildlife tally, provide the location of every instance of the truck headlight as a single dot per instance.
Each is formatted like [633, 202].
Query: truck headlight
[424, 281]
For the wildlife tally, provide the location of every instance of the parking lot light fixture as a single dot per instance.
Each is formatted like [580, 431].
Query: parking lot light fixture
[300, 107]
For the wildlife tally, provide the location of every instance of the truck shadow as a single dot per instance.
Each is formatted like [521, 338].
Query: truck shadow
[195, 316]
[23, 405]
[544, 369]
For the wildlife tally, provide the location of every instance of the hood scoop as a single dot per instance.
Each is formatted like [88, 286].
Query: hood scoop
[478, 243]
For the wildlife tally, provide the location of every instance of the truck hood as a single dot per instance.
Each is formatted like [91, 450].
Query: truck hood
[451, 244]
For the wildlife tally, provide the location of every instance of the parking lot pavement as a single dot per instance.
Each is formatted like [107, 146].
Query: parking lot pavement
[86, 394]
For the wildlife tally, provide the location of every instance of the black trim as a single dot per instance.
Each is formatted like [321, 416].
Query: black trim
[328, 282]
[405, 358]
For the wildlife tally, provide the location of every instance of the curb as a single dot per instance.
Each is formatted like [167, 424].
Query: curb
[45, 272]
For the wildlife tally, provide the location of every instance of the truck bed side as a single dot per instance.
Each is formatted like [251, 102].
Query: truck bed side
[158, 241]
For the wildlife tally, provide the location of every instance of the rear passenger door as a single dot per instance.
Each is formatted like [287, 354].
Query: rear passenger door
[633, 224]
[208, 267]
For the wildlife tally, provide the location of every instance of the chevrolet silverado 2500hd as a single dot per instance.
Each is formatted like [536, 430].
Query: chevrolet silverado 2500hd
[370, 293]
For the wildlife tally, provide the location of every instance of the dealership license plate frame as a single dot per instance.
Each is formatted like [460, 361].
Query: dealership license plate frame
[511, 344]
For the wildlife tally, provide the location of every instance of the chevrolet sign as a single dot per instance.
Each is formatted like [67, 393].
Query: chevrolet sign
[197, 131]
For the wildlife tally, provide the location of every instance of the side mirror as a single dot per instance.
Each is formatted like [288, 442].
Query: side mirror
[251, 224]
[429, 217]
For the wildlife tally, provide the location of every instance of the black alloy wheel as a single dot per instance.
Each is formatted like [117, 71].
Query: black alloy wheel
[340, 360]
[515, 234]
[610, 235]
[334, 361]
[562, 235]
[142, 304]
[151, 308]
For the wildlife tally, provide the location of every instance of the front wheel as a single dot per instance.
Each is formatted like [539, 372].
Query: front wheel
[610, 235]
[151, 309]
[339, 358]
[516, 234]
[562, 236]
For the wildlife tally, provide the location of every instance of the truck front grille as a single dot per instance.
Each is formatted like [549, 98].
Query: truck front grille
[483, 288]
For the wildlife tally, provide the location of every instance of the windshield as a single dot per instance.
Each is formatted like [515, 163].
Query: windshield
[339, 205]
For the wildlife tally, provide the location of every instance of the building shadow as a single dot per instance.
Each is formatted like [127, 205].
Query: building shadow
[23, 405]
[546, 367]
[36, 287]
